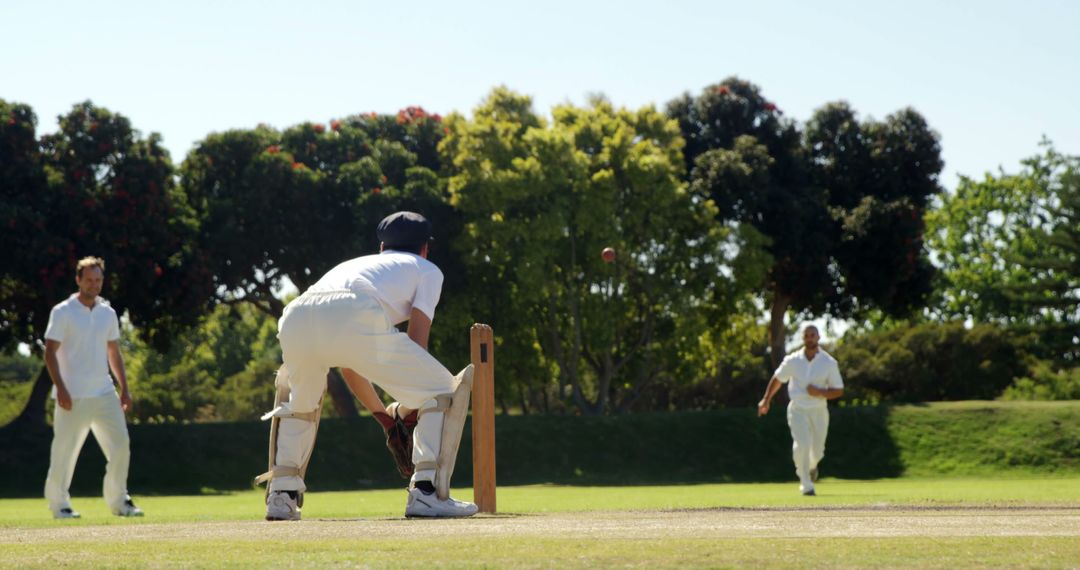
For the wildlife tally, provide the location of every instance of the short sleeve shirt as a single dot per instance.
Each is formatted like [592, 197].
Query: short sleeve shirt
[798, 373]
[401, 282]
[83, 335]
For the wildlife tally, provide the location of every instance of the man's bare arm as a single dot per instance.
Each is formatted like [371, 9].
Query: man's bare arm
[116, 364]
[766, 400]
[63, 398]
[827, 393]
[419, 327]
[363, 390]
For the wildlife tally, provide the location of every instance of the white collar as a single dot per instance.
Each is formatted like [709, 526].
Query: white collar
[74, 298]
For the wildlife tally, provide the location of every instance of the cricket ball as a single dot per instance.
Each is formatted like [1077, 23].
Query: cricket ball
[608, 255]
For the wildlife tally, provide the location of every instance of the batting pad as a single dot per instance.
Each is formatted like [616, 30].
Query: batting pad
[300, 429]
[453, 425]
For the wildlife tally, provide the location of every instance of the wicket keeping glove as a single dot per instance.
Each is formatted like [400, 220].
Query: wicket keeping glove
[399, 433]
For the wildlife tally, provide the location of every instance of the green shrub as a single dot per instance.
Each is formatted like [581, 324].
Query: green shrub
[930, 362]
[1046, 383]
[222, 370]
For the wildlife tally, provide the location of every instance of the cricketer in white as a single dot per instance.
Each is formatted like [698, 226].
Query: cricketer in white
[81, 341]
[813, 377]
[347, 319]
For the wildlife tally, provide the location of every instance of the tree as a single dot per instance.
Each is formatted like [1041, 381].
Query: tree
[22, 171]
[541, 200]
[219, 371]
[840, 204]
[879, 178]
[1006, 245]
[259, 206]
[1054, 291]
[96, 187]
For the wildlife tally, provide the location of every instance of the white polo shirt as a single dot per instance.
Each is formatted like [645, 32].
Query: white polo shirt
[83, 335]
[798, 373]
[400, 281]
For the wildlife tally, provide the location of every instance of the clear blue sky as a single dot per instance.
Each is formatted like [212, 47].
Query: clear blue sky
[991, 77]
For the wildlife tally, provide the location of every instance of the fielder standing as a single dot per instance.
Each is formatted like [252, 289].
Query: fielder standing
[347, 320]
[813, 378]
[81, 345]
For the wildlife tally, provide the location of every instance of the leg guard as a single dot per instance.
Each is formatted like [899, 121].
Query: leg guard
[282, 411]
[453, 409]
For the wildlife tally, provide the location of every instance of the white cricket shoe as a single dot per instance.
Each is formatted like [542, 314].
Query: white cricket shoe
[128, 509]
[66, 513]
[281, 506]
[424, 505]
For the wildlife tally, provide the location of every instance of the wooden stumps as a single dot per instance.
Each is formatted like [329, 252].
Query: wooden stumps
[483, 417]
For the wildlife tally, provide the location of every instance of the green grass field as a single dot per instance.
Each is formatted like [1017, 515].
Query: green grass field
[907, 522]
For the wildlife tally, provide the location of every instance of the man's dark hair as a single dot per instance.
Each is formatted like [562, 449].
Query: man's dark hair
[404, 231]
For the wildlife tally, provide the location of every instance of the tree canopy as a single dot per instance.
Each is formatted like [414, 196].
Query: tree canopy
[1007, 246]
[543, 199]
[841, 202]
[715, 211]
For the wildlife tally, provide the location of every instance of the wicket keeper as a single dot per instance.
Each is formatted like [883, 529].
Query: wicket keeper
[347, 319]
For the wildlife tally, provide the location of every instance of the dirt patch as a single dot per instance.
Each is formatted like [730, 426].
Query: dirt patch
[705, 523]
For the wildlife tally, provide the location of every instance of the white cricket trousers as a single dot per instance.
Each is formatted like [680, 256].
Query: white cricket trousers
[104, 416]
[809, 427]
[325, 329]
